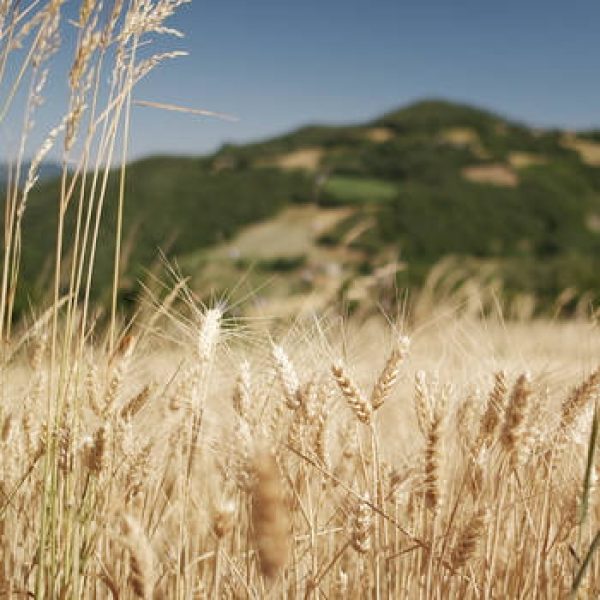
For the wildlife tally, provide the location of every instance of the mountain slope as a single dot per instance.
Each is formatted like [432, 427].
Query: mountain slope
[432, 179]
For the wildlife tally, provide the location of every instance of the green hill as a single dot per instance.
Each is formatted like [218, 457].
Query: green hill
[432, 179]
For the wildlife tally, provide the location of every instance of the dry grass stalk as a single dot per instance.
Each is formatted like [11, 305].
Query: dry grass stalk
[71, 505]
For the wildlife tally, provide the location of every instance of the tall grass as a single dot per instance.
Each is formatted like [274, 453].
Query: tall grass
[107, 46]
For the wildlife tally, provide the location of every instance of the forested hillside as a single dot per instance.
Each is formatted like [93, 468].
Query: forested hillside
[416, 185]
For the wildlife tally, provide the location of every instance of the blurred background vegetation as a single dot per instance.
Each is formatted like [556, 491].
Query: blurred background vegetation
[358, 212]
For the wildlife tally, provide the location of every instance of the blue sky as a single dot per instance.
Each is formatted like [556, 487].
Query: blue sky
[278, 64]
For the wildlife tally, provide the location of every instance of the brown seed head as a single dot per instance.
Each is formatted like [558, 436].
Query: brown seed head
[7, 424]
[357, 402]
[269, 515]
[494, 409]
[432, 464]
[136, 403]
[141, 559]
[389, 374]
[362, 521]
[94, 456]
[223, 519]
[467, 541]
[516, 412]
[578, 399]
[422, 402]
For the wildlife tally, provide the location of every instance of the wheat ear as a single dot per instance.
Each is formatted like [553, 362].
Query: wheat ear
[422, 403]
[362, 522]
[389, 375]
[578, 399]
[490, 419]
[432, 463]
[269, 515]
[467, 541]
[514, 419]
[141, 559]
[287, 377]
[208, 333]
[357, 402]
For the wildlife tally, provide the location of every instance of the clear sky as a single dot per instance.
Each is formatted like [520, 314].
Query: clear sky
[279, 64]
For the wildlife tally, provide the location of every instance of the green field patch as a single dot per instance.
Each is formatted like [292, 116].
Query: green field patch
[354, 190]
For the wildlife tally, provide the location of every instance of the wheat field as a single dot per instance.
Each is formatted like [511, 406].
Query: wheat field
[188, 452]
[207, 458]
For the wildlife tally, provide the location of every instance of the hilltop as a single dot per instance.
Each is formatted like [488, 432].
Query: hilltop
[46, 171]
[361, 211]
